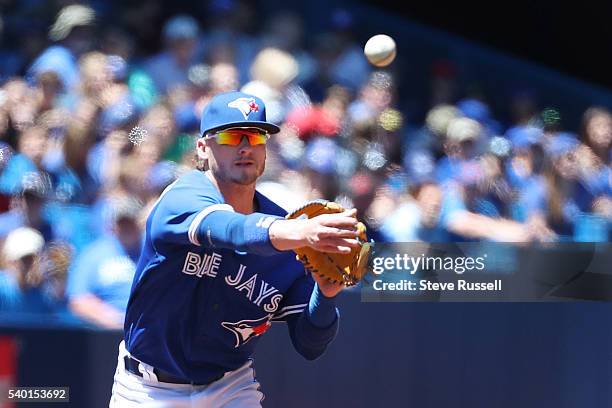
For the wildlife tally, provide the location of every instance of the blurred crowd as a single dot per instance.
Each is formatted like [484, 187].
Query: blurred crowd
[93, 129]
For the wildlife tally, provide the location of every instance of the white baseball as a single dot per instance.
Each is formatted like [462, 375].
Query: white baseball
[380, 50]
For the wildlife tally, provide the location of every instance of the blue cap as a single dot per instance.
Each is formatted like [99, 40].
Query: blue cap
[235, 109]
[58, 60]
[523, 137]
[474, 109]
[118, 115]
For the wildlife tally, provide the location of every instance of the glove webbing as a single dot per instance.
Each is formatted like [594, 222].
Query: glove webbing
[347, 279]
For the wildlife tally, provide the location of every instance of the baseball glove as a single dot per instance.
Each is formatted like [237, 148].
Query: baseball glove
[347, 269]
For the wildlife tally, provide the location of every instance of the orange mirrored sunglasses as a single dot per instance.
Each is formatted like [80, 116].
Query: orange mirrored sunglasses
[233, 137]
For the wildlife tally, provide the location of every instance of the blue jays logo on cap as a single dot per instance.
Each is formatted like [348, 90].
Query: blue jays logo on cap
[244, 105]
[235, 109]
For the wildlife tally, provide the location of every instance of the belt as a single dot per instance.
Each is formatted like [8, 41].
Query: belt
[131, 365]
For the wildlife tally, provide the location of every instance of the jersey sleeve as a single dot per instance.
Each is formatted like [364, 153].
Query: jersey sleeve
[177, 212]
[296, 299]
[188, 216]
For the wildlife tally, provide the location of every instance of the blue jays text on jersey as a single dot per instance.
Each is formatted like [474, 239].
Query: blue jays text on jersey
[196, 308]
[209, 265]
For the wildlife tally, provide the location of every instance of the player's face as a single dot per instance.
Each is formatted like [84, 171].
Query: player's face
[241, 164]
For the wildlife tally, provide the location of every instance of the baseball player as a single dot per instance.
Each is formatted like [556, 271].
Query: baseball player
[216, 269]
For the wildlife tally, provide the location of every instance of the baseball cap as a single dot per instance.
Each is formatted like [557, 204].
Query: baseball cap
[462, 129]
[523, 137]
[120, 114]
[235, 109]
[440, 116]
[57, 60]
[22, 242]
[474, 109]
[69, 17]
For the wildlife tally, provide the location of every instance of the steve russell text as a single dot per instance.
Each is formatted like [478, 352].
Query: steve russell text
[427, 285]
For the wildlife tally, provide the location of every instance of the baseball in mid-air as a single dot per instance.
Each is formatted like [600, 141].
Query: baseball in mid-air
[380, 50]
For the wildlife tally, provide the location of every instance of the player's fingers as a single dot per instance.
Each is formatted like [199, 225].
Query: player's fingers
[350, 213]
[335, 249]
[340, 242]
[339, 221]
[331, 232]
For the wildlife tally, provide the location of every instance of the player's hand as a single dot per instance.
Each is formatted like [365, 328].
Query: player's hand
[335, 233]
[332, 232]
[329, 240]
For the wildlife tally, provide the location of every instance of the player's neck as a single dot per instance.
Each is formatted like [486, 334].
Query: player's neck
[240, 197]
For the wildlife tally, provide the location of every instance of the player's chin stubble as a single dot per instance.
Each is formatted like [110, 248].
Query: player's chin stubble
[245, 176]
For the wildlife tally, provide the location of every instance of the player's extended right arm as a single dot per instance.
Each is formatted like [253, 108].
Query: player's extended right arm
[218, 226]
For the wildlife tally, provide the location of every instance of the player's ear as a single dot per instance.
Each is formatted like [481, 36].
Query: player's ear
[201, 154]
[201, 149]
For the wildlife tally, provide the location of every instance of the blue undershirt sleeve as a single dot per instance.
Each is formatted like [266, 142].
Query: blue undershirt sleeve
[313, 329]
[230, 230]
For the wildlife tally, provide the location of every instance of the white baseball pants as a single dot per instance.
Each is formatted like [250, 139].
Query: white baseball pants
[237, 389]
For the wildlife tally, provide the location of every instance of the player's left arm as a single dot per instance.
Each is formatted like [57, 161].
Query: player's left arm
[315, 325]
